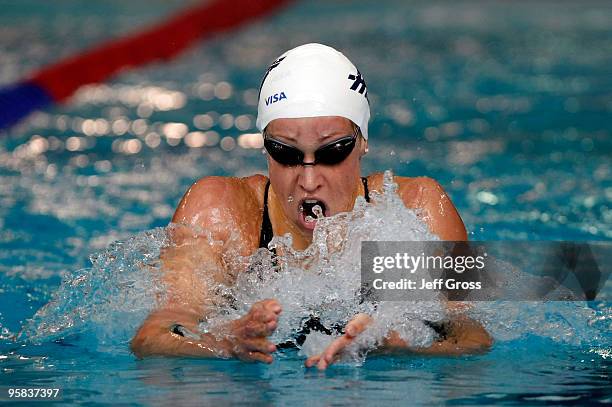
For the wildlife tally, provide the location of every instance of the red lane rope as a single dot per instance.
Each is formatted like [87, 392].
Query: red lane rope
[162, 41]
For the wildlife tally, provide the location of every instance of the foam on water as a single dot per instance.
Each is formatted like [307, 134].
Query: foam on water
[109, 300]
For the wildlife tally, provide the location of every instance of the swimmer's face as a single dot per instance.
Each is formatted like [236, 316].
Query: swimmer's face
[336, 186]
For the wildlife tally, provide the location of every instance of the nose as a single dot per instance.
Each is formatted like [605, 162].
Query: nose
[309, 178]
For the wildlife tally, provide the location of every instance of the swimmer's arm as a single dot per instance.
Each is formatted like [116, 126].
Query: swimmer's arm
[171, 332]
[437, 209]
[190, 264]
[463, 336]
[187, 297]
[244, 338]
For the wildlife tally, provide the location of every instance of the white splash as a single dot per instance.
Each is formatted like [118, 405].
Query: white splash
[111, 299]
[324, 281]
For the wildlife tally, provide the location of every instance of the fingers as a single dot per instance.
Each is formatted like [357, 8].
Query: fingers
[255, 329]
[270, 305]
[311, 361]
[325, 362]
[249, 333]
[357, 325]
[261, 320]
[256, 357]
[261, 357]
[265, 315]
[259, 345]
[332, 351]
[319, 362]
[329, 355]
[255, 350]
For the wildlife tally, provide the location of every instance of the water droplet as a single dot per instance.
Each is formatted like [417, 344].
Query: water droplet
[290, 198]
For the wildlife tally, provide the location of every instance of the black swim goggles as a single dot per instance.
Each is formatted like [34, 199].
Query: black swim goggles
[330, 154]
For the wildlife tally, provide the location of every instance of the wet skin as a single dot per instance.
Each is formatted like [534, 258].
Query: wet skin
[231, 210]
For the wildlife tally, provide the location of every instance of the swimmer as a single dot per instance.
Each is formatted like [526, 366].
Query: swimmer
[313, 113]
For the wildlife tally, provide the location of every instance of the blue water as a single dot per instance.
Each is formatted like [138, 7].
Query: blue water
[508, 105]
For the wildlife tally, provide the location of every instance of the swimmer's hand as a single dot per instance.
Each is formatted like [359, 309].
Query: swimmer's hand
[174, 332]
[249, 334]
[465, 336]
[355, 326]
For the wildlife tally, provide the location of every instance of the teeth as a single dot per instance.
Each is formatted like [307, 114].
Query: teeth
[313, 208]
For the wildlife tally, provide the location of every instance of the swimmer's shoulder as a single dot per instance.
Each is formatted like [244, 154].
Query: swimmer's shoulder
[221, 199]
[427, 194]
[414, 191]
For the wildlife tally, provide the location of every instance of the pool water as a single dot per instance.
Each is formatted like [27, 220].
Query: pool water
[507, 105]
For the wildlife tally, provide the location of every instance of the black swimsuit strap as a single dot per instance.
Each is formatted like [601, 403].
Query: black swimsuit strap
[366, 191]
[266, 225]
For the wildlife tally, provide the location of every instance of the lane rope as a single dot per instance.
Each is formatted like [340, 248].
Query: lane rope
[163, 41]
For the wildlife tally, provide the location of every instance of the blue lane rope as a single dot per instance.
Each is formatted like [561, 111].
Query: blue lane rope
[17, 101]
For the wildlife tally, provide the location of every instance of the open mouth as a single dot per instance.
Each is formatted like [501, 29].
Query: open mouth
[311, 209]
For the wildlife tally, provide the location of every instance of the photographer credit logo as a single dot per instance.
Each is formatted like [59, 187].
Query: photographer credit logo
[483, 271]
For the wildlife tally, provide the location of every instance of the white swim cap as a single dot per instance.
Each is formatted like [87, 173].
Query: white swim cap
[313, 80]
